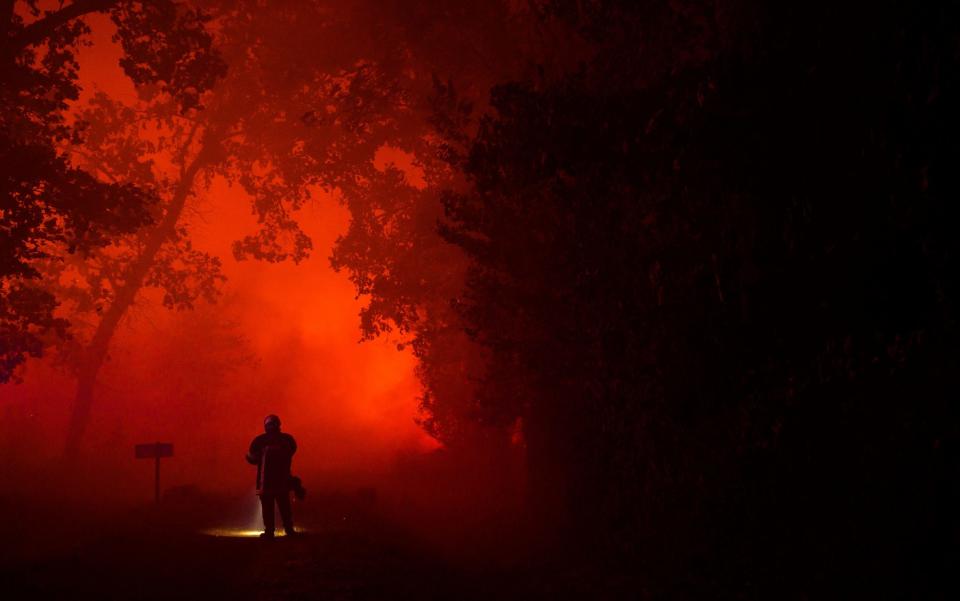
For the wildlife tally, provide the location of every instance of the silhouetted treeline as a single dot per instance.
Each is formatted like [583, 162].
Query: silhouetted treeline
[695, 257]
[716, 272]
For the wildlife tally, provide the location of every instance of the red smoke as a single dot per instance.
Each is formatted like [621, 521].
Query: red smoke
[283, 339]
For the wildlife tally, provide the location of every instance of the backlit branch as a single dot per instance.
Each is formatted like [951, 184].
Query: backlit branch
[42, 29]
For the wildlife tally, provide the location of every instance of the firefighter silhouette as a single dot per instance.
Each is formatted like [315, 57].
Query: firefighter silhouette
[272, 453]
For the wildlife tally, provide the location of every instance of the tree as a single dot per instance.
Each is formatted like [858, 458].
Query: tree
[720, 281]
[47, 203]
[392, 250]
[115, 145]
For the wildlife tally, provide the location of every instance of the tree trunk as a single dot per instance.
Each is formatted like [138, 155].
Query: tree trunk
[96, 353]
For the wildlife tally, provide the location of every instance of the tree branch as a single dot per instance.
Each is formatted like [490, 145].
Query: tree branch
[40, 30]
[97, 164]
[182, 159]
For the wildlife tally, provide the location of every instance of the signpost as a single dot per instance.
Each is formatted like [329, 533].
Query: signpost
[154, 450]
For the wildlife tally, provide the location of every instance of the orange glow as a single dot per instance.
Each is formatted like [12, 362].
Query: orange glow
[283, 339]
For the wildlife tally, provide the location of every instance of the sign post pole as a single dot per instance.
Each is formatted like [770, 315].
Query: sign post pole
[155, 451]
[156, 478]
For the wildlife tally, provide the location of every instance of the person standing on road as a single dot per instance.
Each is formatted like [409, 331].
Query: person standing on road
[272, 453]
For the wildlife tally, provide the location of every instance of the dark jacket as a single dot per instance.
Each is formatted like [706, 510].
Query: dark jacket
[272, 453]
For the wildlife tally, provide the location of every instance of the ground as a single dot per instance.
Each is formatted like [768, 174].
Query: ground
[353, 546]
[171, 552]
[315, 566]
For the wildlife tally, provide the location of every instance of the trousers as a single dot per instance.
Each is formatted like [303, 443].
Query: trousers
[286, 513]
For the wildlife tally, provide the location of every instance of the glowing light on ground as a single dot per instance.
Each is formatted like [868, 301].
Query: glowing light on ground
[240, 532]
[231, 532]
[252, 529]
